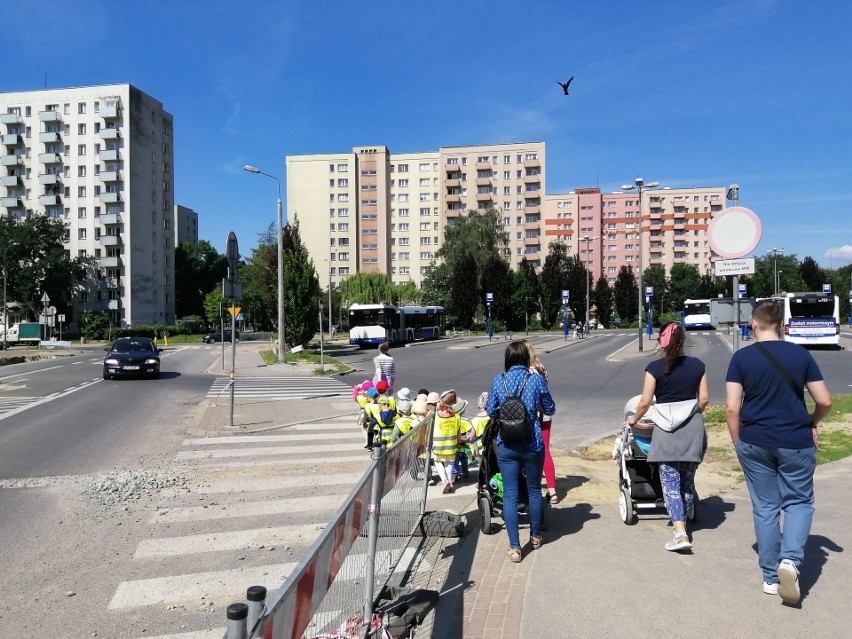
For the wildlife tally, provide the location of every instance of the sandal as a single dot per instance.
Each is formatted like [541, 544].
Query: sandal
[536, 541]
[552, 497]
[514, 555]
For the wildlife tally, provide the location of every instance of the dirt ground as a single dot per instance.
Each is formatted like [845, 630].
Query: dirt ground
[592, 476]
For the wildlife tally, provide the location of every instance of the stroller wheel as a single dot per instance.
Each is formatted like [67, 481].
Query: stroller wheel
[485, 515]
[694, 508]
[625, 507]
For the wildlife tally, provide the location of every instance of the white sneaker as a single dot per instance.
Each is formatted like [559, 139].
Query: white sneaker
[788, 574]
[678, 542]
[770, 589]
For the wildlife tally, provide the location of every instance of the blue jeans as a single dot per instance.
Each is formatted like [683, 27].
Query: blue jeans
[779, 479]
[512, 458]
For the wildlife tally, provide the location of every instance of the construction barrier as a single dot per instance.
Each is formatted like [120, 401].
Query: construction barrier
[335, 586]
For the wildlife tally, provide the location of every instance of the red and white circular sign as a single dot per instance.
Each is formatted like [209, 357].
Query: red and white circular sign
[734, 232]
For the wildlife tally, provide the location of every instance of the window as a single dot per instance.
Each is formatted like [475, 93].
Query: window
[343, 257]
[331, 168]
[81, 149]
[424, 181]
[344, 241]
[403, 241]
[81, 129]
[342, 212]
[343, 168]
[403, 183]
[425, 241]
[402, 168]
[344, 270]
[404, 257]
[425, 166]
[81, 191]
[81, 212]
[425, 211]
[343, 227]
[403, 212]
[81, 171]
[81, 234]
[403, 227]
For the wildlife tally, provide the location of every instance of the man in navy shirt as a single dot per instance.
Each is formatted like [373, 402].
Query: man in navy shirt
[775, 439]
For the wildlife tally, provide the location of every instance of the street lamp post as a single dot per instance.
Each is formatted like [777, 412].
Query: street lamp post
[777, 280]
[775, 252]
[639, 185]
[330, 314]
[5, 306]
[282, 346]
[587, 240]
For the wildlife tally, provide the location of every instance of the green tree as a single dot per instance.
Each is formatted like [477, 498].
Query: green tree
[302, 290]
[406, 294]
[496, 278]
[199, 268]
[214, 307]
[435, 288]
[367, 288]
[604, 298]
[526, 294]
[478, 234]
[260, 283]
[553, 282]
[626, 294]
[684, 283]
[464, 291]
[708, 287]
[812, 275]
[93, 324]
[578, 280]
[38, 263]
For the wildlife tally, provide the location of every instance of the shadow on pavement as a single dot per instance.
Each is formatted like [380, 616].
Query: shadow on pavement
[712, 514]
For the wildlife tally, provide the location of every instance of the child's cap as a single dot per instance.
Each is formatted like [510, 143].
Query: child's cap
[366, 386]
[372, 392]
[383, 399]
[433, 398]
[459, 406]
[404, 406]
[420, 407]
[403, 393]
[382, 386]
[357, 388]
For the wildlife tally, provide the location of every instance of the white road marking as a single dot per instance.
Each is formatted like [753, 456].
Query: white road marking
[49, 398]
[235, 540]
[354, 433]
[249, 484]
[227, 585]
[41, 370]
[289, 461]
[259, 452]
[249, 509]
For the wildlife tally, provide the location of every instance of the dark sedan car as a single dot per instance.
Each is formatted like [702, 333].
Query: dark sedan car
[217, 337]
[132, 356]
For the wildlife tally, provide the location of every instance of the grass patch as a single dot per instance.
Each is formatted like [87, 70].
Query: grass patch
[307, 357]
[833, 445]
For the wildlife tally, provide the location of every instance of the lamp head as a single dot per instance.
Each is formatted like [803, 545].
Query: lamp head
[652, 185]
[251, 169]
[627, 187]
[639, 181]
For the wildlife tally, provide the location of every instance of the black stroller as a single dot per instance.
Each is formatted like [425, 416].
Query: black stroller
[490, 486]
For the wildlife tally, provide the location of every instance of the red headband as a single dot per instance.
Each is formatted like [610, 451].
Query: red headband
[666, 335]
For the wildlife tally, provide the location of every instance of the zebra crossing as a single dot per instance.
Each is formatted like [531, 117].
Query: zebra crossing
[253, 507]
[280, 388]
[9, 404]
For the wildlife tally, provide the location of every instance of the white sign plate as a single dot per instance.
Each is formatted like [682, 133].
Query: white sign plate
[742, 266]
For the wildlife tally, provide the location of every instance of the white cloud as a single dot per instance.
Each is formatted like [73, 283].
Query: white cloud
[842, 252]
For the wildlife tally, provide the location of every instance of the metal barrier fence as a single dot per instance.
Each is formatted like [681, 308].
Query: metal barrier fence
[335, 585]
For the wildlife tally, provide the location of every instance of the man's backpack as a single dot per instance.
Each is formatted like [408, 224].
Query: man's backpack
[515, 425]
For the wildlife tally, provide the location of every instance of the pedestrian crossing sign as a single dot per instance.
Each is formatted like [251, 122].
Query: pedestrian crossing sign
[234, 311]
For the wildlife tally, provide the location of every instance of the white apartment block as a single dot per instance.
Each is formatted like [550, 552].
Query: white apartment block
[186, 225]
[99, 158]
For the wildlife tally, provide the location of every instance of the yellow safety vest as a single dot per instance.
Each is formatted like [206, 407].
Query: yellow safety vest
[445, 437]
[479, 423]
[362, 400]
[465, 428]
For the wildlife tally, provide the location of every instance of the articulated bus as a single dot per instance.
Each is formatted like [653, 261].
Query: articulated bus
[696, 314]
[371, 324]
[810, 318]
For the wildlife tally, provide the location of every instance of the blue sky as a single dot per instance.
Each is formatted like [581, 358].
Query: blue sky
[753, 92]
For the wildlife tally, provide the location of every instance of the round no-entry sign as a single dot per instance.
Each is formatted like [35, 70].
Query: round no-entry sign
[734, 232]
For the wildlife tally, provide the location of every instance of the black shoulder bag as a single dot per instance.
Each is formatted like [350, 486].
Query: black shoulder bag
[800, 393]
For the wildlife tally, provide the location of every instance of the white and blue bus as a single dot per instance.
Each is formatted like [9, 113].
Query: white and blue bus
[696, 314]
[371, 324]
[810, 319]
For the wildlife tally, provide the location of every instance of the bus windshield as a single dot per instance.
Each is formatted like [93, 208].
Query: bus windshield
[811, 306]
[696, 308]
[370, 317]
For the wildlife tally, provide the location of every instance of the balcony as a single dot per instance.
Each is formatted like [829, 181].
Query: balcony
[110, 219]
[50, 179]
[49, 158]
[483, 181]
[532, 179]
[49, 137]
[452, 184]
[532, 226]
[532, 164]
[532, 210]
[11, 139]
[109, 262]
[49, 200]
[452, 198]
[10, 202]
[11, 119]
[110, 110]
[110, 176]
[10, 180]
[109, 134]
[110, 198]
[452, 213]
[484, 197]
[109, 156]
[532, 241]
[11, 160]
[49, 117]
[109, 282]
[483, 166]
[110, 305]
[452, 168]
[110, 240]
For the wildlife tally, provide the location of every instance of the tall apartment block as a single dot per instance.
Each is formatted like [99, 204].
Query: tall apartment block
[186, 225]
[99, 158]
[374, 211]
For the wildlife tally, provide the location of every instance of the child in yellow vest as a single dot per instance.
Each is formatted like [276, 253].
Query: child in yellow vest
[383, 419]
[445, 439]
[460, 465]
[479, 423]
[404, 420]
[371, 409]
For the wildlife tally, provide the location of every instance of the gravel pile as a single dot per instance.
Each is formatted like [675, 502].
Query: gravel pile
[127, 486]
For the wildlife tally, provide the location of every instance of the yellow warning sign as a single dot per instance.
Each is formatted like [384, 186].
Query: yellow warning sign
[235, 310]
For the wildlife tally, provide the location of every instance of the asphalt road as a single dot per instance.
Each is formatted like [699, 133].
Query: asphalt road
[590, 380]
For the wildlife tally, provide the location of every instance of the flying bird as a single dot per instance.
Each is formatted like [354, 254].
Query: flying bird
[565, 85]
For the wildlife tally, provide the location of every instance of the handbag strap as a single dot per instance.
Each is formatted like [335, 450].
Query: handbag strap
[798, 392]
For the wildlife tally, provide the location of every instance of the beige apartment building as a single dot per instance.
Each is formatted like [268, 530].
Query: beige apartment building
[387, 212]
[100, 158]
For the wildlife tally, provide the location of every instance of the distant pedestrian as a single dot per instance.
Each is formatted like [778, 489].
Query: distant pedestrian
[385, 366]
[775, 439]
